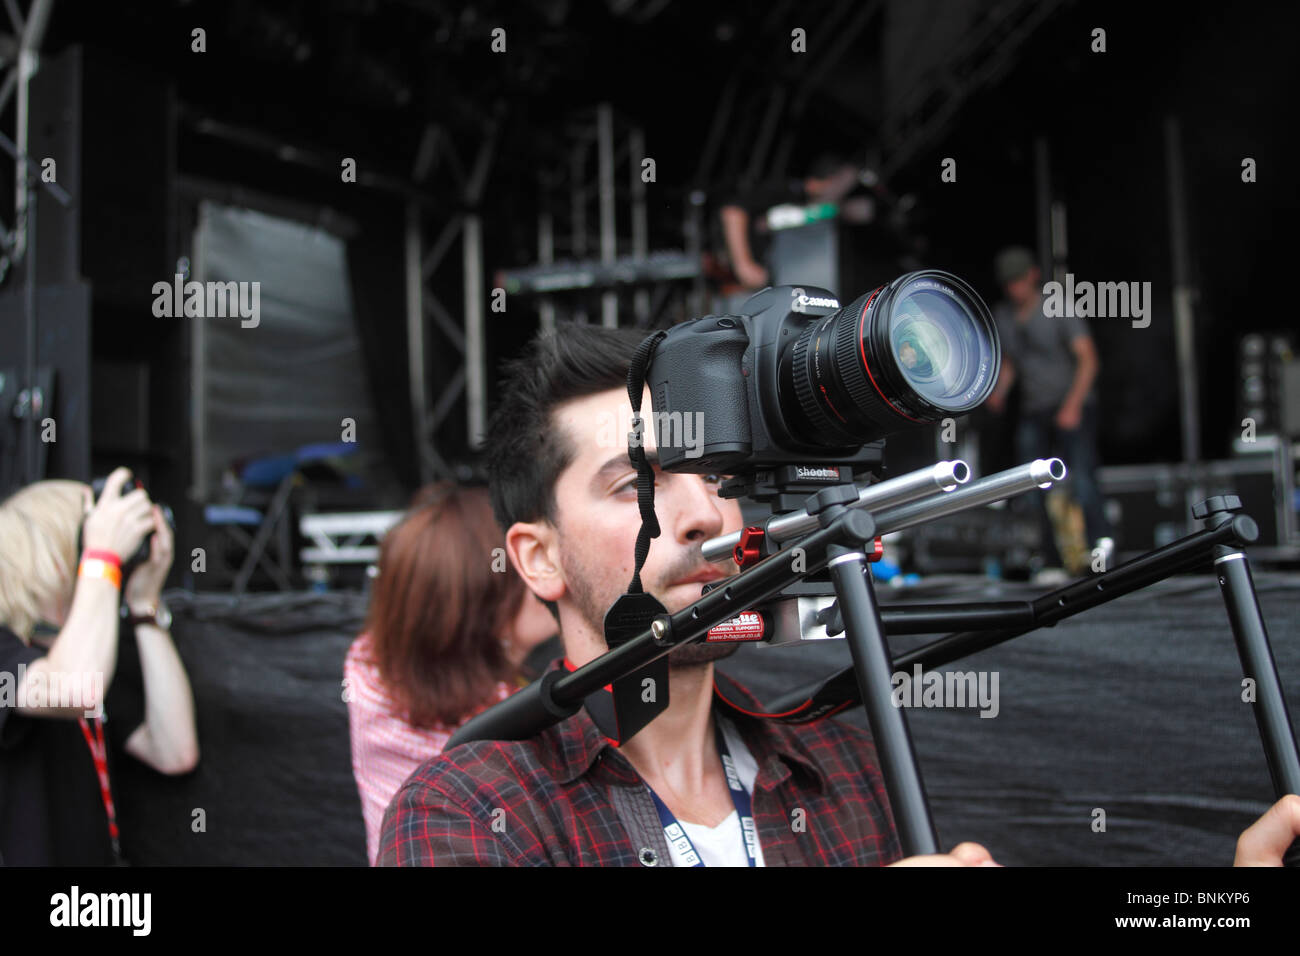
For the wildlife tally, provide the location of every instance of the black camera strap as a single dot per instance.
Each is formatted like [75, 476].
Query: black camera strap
[632, 701]
[631, 615]
[645, 474]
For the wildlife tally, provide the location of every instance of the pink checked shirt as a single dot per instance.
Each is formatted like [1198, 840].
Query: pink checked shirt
[385, 748]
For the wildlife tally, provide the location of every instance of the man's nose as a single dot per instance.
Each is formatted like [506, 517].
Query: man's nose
[696, 502]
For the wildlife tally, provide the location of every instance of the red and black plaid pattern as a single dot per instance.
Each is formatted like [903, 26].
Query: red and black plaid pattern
[819, 799]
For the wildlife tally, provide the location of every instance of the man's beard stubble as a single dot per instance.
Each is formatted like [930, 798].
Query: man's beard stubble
[593, 606]
[698, 654]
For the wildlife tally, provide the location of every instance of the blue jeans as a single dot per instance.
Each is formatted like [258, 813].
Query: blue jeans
[1038, 436]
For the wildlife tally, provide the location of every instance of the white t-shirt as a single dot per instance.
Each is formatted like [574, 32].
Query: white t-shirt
[723, 845]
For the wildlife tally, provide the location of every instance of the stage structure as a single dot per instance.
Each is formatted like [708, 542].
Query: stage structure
[422, 259]
[26, 391]
[596, 262]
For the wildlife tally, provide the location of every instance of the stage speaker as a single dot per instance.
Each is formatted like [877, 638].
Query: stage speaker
[109, 127]
[63, 347]
[124, 388]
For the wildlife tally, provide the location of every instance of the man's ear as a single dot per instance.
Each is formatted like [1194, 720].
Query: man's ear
[533, 547]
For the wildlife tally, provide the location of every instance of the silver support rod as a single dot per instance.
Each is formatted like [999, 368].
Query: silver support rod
[943, 477]
[577, 198]
[1040, 473]
[545, 253]
[721, 121]
[475, 370]
[419, 394]
[763, 142]
[1060, 241]
[578, 215]
[7, 90]
[29, 61]
[32, 471]
[15, 16]
[426, 153]
[24, 235]
[475, 312]
[608, 237]
[640, 231]
[1043, 205]
[1184, 294]
[198, 365]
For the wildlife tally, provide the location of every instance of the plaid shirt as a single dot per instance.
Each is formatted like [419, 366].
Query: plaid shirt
[568, 797]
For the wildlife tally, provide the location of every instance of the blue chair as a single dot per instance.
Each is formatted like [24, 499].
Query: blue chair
[260, 509]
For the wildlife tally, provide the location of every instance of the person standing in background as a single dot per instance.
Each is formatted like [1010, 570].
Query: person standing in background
[1055, 362]
[744, 228]
[448, 629]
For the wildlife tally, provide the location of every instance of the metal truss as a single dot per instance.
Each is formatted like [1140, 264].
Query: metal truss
[599, 142]
[19, 57]
[987, 51]
[422, 261]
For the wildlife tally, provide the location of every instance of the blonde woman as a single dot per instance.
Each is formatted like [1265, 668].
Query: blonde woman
[62, 729]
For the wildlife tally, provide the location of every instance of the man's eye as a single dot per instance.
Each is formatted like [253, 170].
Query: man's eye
[713, 479]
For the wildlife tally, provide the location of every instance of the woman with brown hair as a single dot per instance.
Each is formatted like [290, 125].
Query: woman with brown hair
[449, 627]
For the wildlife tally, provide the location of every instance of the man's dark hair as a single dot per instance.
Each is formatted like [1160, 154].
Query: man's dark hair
[526, 451]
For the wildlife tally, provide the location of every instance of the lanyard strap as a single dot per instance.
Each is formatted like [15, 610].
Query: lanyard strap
[99, 753]
[675, 833]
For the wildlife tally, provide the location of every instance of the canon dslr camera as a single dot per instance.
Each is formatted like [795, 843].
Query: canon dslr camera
[794, 379]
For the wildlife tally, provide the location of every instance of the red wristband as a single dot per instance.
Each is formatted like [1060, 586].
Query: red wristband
[102, 555]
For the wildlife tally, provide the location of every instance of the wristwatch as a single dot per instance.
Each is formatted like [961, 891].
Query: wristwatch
[156, 614]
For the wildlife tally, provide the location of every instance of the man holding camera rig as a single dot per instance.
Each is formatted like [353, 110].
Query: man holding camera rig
[812, 794]
[57, 755]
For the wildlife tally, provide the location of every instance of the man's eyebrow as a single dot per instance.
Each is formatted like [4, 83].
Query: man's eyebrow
[620, 463]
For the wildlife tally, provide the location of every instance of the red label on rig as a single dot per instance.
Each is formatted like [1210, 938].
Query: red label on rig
[747, 626]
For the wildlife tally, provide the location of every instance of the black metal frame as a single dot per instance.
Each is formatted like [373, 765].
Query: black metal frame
[840, 545]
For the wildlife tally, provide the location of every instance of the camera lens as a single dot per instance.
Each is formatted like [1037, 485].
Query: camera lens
[934, 341]
[913, 352]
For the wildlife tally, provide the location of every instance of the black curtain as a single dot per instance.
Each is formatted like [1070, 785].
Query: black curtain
[375, 266]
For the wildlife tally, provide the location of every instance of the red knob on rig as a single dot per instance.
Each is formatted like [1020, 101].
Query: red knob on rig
[750, 549]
